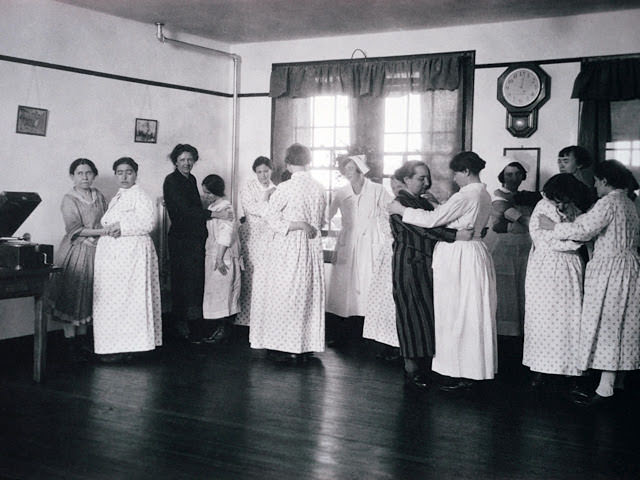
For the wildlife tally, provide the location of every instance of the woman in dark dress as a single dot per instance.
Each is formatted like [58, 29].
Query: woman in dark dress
[413, 277]
[187, 237]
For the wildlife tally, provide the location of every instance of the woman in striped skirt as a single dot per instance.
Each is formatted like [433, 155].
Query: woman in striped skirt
[413, 277]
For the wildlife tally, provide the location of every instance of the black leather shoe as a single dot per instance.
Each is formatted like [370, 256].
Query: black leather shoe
[593, 401]
[457, 384]
[416, 380]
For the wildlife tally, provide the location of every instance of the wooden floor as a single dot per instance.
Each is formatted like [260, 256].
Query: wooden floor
[227, 412]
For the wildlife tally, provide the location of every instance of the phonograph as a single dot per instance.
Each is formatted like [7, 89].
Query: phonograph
[18, 252]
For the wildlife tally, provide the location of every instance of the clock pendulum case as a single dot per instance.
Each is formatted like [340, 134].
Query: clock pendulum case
[523, 88]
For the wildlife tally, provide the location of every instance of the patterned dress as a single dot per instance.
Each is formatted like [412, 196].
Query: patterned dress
[413, 279]
[72, 293]
[221, 292]
[609, 336]
[380, 313]
[357, 247]
[464, 287]
[287, 307]
[553, 299]
[253, 233]
[126, 288]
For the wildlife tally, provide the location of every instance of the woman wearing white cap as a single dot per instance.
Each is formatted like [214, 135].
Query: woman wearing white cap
[361, 203]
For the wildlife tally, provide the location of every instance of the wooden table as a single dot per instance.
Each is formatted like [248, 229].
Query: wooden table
[31, 283]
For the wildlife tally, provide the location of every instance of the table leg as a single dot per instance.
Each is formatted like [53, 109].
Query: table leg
[39, 340]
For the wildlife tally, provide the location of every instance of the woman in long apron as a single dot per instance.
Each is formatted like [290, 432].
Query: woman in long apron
[464, 288]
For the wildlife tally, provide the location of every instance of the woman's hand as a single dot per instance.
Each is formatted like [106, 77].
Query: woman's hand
[113, 230]
[464, 235]
[431, 197]
[545, 223]
[224, 214]
[309, 229]
[220, 266]
[267, 194]
[396, 208]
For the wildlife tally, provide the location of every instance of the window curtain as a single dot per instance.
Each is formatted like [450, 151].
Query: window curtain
[442, 80]
[599, 83]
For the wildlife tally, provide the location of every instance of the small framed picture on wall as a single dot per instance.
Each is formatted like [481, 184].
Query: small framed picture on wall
[32, 121]
[529, 158]
[146, 131]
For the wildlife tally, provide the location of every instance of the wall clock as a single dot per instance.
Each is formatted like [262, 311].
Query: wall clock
[523, 88]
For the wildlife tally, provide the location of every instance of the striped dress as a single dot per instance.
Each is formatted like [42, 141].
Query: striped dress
[413, 279]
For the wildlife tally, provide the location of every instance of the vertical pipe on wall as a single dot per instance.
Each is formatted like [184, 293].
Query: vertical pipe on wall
[236, 81]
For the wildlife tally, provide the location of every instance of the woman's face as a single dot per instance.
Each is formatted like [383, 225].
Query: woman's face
[512, 178]
[419, 182]
[184, 163]
[125, 175]
[83, 177]
[210, 196]
[351, 171]
[461, 178]
[263, 173]
[567, 164]
[602, 187]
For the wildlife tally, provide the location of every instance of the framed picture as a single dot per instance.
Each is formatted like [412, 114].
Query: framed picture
[530, 160]
[146, 130]
[32, 121]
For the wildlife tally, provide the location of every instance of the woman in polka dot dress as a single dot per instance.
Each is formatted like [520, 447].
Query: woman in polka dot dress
[126, 288]
[609, 337]
[553, 286]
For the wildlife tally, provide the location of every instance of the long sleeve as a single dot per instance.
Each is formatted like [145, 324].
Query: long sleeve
[586, 226]
[442, 215]
[140, 219]
[273, 216]
[179, 205]
[544, 238]
[436, 234]
[251, 204]
[71, 216]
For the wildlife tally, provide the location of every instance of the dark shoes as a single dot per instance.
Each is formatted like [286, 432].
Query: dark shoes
[115, 357]
[593, 401]
[416, 380]
[219, 336]
[455, 384]
[286, 358]
[538, 380]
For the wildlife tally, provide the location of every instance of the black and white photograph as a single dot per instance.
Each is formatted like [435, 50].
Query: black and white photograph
[146, 131]
[32, 121]
[373, 239]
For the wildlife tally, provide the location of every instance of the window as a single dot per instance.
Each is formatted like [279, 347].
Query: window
[625, 151]
[403, 135]
[625, 135]
[327, 131]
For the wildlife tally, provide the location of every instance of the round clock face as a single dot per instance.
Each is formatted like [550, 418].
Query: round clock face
[521, 87]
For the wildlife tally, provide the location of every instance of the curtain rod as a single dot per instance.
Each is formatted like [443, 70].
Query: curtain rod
[464, 53]
[551, 61]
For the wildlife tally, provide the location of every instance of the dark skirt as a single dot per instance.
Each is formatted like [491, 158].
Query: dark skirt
[413, 296]
[186, 256]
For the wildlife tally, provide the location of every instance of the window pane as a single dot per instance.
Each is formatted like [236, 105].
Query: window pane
[395, 142]
[323, 111]
[414, 142]
[635, 158]
[303, 136]
[391, 164]
[322, 176]
[323, 137]
[395, 114]
[343, 137]
[418, 157]
[321, 158]
[342, 111]
[414, 113]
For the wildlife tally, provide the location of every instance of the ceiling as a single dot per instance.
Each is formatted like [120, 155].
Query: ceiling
[245, 21]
